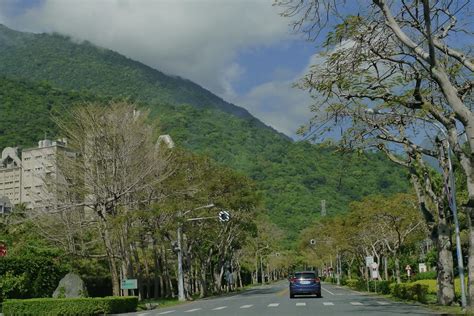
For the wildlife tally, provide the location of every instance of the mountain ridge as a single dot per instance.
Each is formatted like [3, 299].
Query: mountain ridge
[184, 90]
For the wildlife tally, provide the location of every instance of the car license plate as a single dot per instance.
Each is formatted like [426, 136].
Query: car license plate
[305, 282]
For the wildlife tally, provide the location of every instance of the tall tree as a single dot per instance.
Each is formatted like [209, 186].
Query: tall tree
[401, 57]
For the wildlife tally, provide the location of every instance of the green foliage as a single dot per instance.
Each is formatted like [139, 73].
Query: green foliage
[26, 277]
[354, 283]
[70, 306]
[430, 275]
[382, 287]
[410, 291]
[13, 286]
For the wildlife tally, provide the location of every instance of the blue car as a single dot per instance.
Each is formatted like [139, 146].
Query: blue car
[305, 283]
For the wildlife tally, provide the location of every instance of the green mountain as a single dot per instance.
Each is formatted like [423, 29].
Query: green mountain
[56, 59]
[44, 73]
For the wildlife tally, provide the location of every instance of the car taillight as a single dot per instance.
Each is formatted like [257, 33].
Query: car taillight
[317, 280]
[293, 280]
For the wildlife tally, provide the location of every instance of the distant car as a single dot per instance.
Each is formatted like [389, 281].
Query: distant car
[305, 283]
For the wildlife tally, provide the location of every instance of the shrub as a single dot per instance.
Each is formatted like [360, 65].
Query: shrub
[70, 306]
[42, 276]
[382, 287]
[13, 286]
[410, 291]
[430, 275]
[352, 283]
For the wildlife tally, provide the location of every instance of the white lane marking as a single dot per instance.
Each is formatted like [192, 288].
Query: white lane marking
[300, 304]
[328, 291]
[356, 303]
[193, 310]
[219, 308]
[246, 306]
[167, 312]
[328, 303]
[142, 314]
[273, 305]
[383, 303]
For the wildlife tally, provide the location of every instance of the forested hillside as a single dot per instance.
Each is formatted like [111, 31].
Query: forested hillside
[292, 177]
[66, 64]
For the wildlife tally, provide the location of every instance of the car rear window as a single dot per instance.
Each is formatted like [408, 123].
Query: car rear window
[305, 275]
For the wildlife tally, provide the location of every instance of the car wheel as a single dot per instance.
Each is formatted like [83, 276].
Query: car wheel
[318, 295]
[292, 295]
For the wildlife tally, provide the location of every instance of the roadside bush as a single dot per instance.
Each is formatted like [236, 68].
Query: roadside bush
[430, 275]
[410, 291]
[26, 277]
[382, 287]
[352, 283]
[70, 306]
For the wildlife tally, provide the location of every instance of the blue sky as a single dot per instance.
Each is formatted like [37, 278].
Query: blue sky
[241, 50]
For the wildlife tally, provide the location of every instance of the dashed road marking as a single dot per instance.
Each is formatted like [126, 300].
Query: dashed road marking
[329, 291]
[383, 303]
[273, 304]
[356, 303]
[193, 310]
[167, 312]
[142, 314]
[328, 303]
[219, 308]
[300, 304]
[246, 306]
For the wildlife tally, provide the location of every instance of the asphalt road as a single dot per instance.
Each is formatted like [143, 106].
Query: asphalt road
[273, 300]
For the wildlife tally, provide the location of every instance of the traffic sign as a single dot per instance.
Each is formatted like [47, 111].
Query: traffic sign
[224, 216]
[369, 260]
[129, 284]
[374, 268]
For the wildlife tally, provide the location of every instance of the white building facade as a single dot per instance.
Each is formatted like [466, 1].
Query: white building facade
[10, 175]
[39, 173]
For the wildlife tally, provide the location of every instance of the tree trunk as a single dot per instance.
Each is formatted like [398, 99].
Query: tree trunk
[445, 277]
[397, 269]
[203, 281]
[109, 249]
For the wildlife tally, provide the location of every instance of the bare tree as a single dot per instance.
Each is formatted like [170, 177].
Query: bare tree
[115, 168]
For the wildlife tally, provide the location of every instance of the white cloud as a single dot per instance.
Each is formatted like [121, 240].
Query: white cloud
[279, 105]
[197, 40]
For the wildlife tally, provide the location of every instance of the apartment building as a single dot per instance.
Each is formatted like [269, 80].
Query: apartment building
[39, 173]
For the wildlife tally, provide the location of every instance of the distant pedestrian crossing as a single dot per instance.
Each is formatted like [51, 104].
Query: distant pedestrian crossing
[275, 305]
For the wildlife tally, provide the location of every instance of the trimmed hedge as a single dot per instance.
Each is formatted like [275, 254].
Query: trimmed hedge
[70, 306]
[382, 287]
[410, 291]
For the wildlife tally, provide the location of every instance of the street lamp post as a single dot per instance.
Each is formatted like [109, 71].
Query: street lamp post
[451, 194]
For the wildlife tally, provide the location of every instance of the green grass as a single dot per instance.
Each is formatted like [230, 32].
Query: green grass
[432, 285]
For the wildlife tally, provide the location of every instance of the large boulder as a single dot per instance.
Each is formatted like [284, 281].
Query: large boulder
[70, 286]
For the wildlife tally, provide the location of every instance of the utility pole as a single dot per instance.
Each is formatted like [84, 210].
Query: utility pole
[223, 216]
[181, 296]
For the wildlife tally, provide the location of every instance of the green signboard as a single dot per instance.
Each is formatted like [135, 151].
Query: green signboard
[130, 284]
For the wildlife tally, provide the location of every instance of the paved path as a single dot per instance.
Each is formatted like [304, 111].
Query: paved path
[273, 300]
